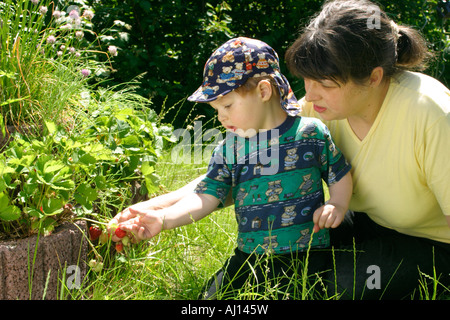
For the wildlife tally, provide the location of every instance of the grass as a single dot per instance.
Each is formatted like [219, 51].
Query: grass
[173, 265]
[176, 264]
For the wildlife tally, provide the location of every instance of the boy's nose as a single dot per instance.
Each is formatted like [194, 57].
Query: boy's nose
[221, 116]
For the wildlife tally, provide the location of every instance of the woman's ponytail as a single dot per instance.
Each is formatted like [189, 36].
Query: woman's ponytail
[412, 50]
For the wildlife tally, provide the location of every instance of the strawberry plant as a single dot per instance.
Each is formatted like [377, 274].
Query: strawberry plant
[92, 172]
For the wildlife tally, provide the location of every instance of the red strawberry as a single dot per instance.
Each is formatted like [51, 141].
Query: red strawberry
[120, 233]
[119, 246]
[94, 232]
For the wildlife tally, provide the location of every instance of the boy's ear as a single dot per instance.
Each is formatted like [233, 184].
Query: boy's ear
[265, 90]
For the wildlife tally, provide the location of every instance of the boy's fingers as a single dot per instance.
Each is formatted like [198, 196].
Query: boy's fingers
[316, 228]
[317, 214]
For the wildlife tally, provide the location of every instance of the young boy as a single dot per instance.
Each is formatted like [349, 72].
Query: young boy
[272, 162]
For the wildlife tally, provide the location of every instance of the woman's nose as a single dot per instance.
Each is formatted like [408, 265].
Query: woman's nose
[311, 91]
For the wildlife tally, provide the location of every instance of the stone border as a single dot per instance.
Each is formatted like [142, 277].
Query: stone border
[66, 246]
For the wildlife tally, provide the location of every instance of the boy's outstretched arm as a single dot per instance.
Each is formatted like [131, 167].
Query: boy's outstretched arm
[160, 202]
[333, 212]
[147, 223]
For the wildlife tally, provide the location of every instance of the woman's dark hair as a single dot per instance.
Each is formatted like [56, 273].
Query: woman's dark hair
[349, 38]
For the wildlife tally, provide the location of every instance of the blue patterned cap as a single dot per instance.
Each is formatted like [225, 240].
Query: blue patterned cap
[237, 60]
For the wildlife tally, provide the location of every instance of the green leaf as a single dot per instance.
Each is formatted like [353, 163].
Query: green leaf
[34, 213]
[24, 161]
[52, 166]
[85, 195]
[4, 200]
[87, 159]
[10, 213]
[51, 127]
[64, 185]
[52, 206]
[147, 169]
[100, 182]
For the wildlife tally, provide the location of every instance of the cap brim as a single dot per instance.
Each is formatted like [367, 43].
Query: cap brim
[200, 96]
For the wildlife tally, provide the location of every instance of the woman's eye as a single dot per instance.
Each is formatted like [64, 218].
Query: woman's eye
[329, 84]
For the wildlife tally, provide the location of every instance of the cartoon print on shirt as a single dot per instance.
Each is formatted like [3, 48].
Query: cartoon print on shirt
[241, 195]
[331, 176]
[201, 187]
[307, 184]
[221, 194]
[304, 239]
[222, 174]
[256, 223]
[274, 191]
[287, 218]
[258, 169]
[290, 159]
[309, 130]
[270, 242]
[332, 147]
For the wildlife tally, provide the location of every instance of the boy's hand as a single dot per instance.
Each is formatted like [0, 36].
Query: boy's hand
[143, 224]
[328, 216]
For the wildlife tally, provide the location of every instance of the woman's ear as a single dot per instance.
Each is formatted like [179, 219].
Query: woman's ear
[265, 90]
[376, 77]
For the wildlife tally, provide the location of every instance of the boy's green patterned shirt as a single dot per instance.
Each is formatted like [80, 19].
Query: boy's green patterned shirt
[276, 182]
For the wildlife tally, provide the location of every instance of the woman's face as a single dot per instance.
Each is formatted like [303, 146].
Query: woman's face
[335, 100]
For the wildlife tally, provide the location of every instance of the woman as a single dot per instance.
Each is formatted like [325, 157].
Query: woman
[393, 126]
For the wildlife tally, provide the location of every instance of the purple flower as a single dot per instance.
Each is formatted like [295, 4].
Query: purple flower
[79, 34]
[85, 72]
[57, 14]
[35, 2]
[112, 50]
[51, 39]
[43, 10]
[88, 14]
[74, 15]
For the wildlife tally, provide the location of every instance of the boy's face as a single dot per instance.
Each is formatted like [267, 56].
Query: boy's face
[243, 114]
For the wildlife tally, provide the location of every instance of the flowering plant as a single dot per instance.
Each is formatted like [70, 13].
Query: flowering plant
[45, 58]
[84, 152]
